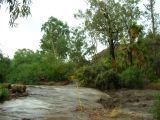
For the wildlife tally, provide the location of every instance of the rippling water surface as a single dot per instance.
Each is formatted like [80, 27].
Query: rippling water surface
[50, 103]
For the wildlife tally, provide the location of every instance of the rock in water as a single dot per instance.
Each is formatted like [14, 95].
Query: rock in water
[18, 88]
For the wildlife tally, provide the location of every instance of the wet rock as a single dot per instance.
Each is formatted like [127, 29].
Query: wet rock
[18, 88]
[105, 97]
[109, 102]
[26, 119]
[6, 85]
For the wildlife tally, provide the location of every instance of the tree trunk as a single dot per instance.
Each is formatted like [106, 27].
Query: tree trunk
[152, 16]
[150, 8]
[112, 53]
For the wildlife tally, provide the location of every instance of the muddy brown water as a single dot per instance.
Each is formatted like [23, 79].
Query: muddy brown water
[62, 102]
[50, 103]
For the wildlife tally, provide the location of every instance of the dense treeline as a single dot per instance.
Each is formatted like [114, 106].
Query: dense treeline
[61, 51]
[131, 58]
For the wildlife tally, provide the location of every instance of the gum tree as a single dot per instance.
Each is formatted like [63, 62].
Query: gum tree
[56, 38]
[103, 22]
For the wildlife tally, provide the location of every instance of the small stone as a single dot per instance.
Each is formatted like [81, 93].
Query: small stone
[26, 119]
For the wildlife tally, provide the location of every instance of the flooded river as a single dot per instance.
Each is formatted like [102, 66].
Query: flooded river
[50, 103]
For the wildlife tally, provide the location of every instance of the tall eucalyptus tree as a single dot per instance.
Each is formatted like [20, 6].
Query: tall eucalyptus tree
[56, 37]
[103, 21]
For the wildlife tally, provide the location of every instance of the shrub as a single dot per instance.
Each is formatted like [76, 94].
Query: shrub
[156, 67]
[152, 71]
[4, 67]
[63, 71]
[132, 78]
[155, 110]
[108, 80]
[24, 73]
[37, 68]
[4, 93]
[86, 76]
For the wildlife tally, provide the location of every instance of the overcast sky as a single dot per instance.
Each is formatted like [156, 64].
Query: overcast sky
[28, 33]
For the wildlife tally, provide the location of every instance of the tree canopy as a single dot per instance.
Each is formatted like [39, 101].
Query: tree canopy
[56, 37]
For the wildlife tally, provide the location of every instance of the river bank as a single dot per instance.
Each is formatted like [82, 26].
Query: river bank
[124, 105]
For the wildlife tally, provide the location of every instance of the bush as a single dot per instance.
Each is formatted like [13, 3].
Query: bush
[4, 93]
[38, 68]
[155, 110]
[63, 71]
[86, 76]
[132, 78]
[4, 67]
[108, 80]
[98, 76]
[156, 67]
[24, 73]
[152, 71]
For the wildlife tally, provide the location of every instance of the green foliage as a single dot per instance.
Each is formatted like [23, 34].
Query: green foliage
[152, 56]
[132, 77]
[56, 37]
[4, 67]
[23, 56]
[102, 21]
[108, 80]
[54, 69]
[24, 67]
[31, 68]
[156, 67]
[98, 76]
[63, 71]
[113, 23]
[155, 110]
[80, 48]
[4, 93]
[24, 73]
[86, 76]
